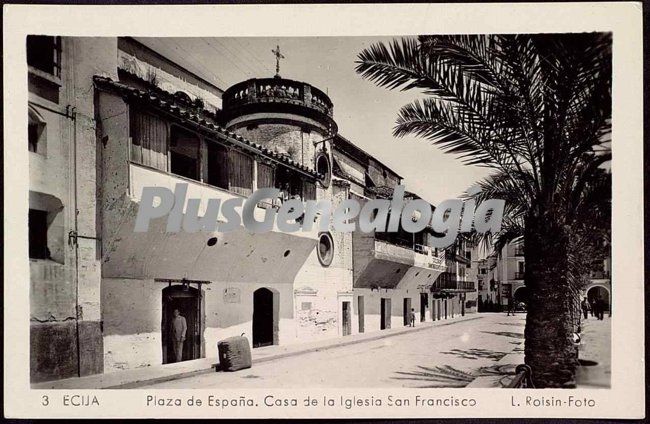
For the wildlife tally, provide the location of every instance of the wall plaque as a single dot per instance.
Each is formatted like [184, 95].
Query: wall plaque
[231, 295]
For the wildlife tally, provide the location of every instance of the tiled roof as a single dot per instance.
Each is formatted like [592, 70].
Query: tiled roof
[166, 102]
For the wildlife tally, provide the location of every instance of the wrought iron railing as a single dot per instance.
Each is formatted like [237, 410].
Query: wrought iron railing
[278, 89]
[523, 378]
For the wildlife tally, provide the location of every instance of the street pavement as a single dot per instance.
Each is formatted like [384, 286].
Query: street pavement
[451, 355]
[595, 353]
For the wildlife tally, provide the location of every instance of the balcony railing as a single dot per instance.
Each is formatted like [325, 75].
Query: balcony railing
[453, 284]
[142, 176]
[278, 90]
[397, 239]
[599, 275]
[445, 284]
[466, 285]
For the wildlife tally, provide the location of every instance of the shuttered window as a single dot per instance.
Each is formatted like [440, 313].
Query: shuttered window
[240, 169]
[309, 190]
[148, 140]
[265, 176]
[184, 153]
[217, 172]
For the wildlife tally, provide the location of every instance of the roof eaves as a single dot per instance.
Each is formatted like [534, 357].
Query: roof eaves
[171, 107]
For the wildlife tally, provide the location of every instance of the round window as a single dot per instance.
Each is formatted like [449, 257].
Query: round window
[323, 168]
[325, 249]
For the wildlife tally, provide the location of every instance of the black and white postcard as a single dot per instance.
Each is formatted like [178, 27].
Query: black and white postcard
[324, 211]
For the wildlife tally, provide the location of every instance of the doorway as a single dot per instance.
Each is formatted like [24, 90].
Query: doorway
[361, 312]
[188, 302]
[598, 291]
[424, 304]
[385, 314]
[407, 310]
[265, 318]
[521, 295]
[346, 318]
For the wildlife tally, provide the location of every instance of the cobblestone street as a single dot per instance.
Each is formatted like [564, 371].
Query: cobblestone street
[446, 356]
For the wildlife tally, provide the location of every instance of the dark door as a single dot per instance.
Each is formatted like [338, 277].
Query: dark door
[262, 317]
[407, 310]
[346, 319]
[187, 301]
[361, 312]
[385, 314]
[424, 304]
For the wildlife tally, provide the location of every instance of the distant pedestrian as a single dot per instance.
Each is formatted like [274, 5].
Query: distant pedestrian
[594, 308]
[511, 307]
[600, 314]
[585, 307]
[412, 317]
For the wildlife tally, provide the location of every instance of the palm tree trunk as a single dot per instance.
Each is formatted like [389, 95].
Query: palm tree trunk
[549, 348]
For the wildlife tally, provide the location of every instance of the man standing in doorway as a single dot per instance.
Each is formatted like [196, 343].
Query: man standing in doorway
[179, 328]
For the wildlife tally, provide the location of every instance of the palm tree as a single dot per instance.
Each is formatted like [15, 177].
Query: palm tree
[589, 229]
[536, 109]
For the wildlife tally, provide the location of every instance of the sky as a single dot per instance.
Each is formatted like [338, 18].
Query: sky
[365, 113]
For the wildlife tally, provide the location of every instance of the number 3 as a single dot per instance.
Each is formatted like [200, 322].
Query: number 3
[45, 401]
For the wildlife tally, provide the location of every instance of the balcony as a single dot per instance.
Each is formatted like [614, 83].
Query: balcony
[458, 257]
[235, 256]
[466, 285]
[381, 264]
[448, 282]
[278, 95]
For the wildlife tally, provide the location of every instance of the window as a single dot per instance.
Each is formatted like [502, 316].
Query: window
[325, 249]
[44, 53]
[305, 306]
[36, 132]
[217, 168]
[289, 182]
[38, 234]
[240, 168]
[148, 140]
[309, 190]
[184, 153]
[265, 175]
